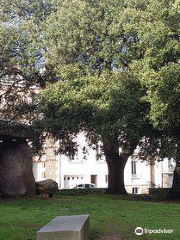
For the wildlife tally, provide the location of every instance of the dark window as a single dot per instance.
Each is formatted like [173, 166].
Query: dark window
[99, 152]
[94, 179]
[106, 178]
[133, 167]
[134, 190]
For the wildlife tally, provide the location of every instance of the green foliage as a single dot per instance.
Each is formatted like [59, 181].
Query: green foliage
[158, 29]
[105, 107]
[158, 32]
[80, 192]
[88, 47]
[164, 95]
[9, 128]
[89, 50]
[20, 27]
[159, 193]
[88, 35]
[20, 65]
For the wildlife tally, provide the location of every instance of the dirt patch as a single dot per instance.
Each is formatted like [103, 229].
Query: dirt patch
[112, 237]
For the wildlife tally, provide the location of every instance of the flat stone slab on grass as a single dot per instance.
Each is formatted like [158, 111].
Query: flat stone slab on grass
[66, 228]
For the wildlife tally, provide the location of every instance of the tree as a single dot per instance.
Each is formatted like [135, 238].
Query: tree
[20, 60]
[106, 108]
[90, 53]
[158, 29]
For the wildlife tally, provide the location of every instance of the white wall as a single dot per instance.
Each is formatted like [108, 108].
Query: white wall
[143, 179]
[81, 169]
[38, 170]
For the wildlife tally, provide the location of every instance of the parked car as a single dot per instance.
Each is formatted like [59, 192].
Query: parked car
[86, 185]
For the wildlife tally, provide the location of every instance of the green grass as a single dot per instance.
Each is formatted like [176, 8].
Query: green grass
[21, 218]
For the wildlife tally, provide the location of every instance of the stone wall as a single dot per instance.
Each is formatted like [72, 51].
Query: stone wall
[51, 169]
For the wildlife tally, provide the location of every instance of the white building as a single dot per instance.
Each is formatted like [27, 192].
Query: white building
[89, 166]
[140, 176]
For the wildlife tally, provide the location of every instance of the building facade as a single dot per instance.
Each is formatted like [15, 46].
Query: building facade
[140, 176]
[89, 166]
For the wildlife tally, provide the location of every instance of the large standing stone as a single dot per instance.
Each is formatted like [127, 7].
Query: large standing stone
[16, 176]
[66, 228]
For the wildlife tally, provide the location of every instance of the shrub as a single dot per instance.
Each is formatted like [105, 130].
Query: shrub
[80, 192]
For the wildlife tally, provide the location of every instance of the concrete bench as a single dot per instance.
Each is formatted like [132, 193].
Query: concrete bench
[66, 228]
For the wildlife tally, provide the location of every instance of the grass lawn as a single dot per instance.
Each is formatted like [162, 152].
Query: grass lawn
[21, 218]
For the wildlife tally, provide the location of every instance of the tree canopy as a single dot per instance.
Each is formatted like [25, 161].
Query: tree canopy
[20, 58]
[158, 30]
[90, 51]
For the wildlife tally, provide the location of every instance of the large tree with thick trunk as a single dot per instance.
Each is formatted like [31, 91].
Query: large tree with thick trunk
[116, 163]
[107, 108]
[90, 52]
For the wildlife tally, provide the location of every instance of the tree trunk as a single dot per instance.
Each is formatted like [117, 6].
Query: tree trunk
[116, 164]
[174, 192]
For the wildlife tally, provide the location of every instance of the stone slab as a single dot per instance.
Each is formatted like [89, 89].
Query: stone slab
[66, 228]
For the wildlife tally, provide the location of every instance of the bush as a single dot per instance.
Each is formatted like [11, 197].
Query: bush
[159, 193]
[80, 192]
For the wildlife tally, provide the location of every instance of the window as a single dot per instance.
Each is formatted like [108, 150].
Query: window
[99, 152]
[170, 165]
[106, 178]
[133, 167]
[43, 175]
[134, 190]
[84, 153]
[77, 157]
[94, 179]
